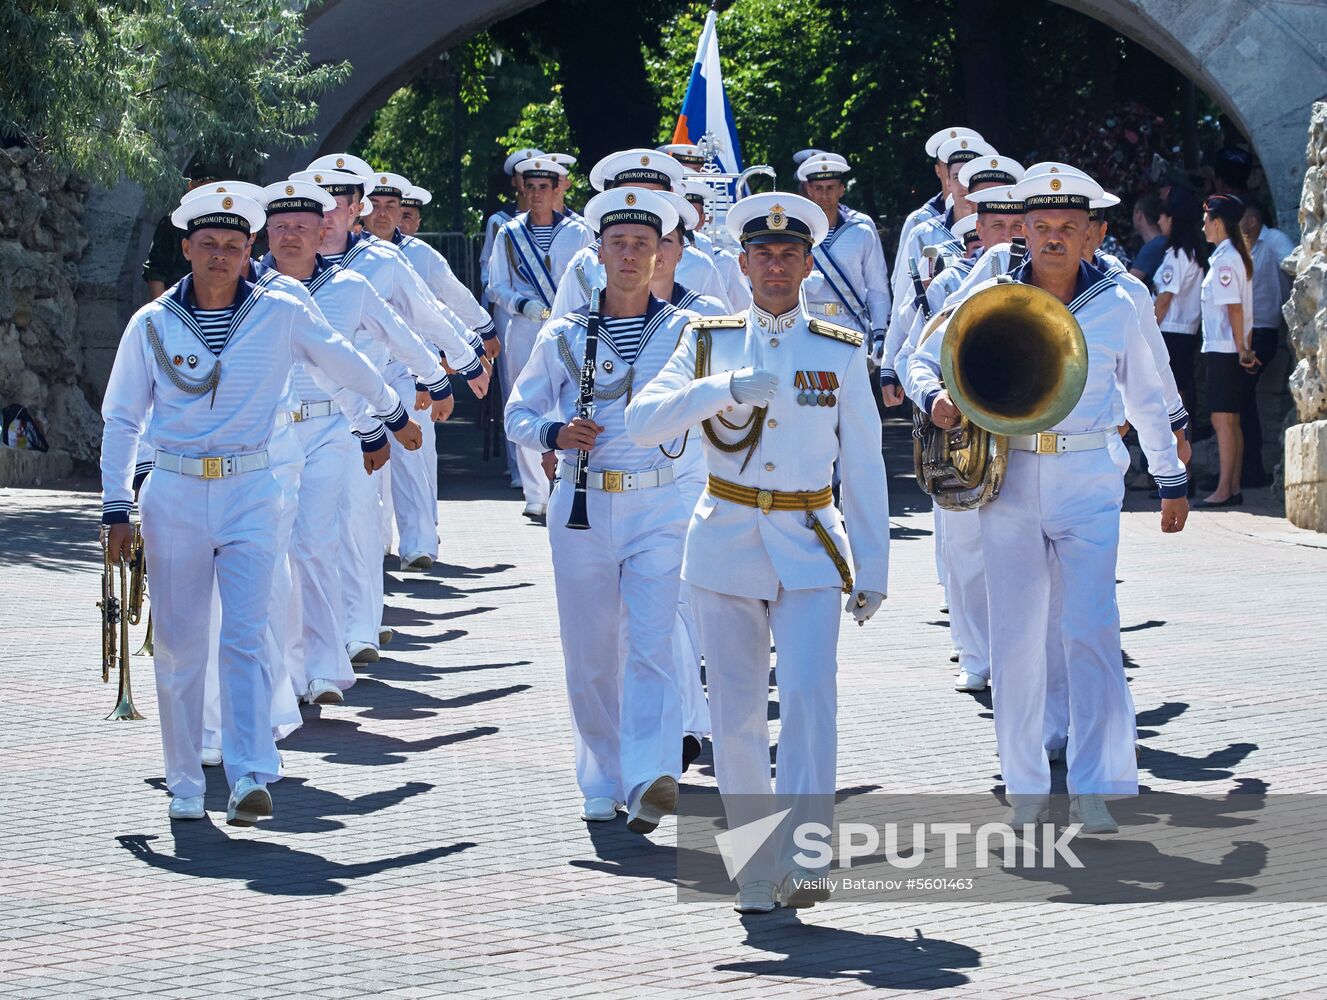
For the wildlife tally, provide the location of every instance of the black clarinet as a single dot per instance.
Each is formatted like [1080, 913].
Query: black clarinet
[1018, 249]
[579, 518]
[918, 289]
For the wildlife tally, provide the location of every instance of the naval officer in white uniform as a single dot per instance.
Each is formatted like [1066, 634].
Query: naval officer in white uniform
[782, 399]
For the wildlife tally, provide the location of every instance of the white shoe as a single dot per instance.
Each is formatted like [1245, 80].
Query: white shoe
[657, 800]
[385, 635]
[186, 807]
[969, 682]
[803, 887]
[211, 756]
[755, 897]
[324, 692]
[421, 563]
[250, 801]
[599, 809]
[362, 652]
[1091, 811]
[534, 511]
[955, 655]
[516, 482]
[1029, 810]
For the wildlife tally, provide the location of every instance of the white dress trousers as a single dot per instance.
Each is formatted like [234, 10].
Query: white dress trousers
[521, 333]
[413, 503]
[965, 574]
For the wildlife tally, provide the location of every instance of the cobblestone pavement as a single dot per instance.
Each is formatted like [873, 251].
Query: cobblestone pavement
[427, 841]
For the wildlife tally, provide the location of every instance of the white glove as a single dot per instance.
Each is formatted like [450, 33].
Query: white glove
[532, 309]
[753, 386]
[863, 604]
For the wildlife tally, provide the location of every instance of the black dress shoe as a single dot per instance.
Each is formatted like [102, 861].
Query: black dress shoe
[691, 747]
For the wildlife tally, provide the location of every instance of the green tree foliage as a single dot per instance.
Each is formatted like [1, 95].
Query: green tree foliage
[131, 88]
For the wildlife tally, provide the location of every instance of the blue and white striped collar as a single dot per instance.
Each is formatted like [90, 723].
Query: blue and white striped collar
[322, 270]
[181, 301]
[1089, 283]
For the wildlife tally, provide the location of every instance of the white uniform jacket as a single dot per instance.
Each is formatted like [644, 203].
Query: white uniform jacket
[849, 285]
[1122, 380]
[395, 280]
[932, 232]
[495, 222]
[438, 275]
[696, 270]
[738, 550]
[271, 332]
[546, 394]
[519, 271]
[915, 321]
[737, 290]
[932, 208]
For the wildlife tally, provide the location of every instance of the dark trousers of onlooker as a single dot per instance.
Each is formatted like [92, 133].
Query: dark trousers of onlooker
[1265, 341]
[1183, 350]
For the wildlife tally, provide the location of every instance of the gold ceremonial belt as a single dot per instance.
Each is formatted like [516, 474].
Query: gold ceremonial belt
[768, 500]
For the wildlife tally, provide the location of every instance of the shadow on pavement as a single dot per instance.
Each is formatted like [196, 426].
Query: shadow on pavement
[62, 539]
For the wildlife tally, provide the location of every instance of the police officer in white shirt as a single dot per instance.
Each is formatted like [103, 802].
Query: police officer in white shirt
[1060, 509]
[621, 684]
[1178, 282]
[528, 257]
[203, 371]
[849, 285]
[782, 398]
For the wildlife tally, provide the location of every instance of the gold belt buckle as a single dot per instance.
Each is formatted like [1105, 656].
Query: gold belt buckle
[297, 415]
[764, 500]
[612, 482]
[212, 468]
[1048, 443]
[831, 308]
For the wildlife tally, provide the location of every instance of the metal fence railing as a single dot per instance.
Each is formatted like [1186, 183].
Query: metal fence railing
[462, 253]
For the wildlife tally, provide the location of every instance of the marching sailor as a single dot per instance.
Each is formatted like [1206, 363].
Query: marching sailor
[955, 153]
[693, 161]
[205, 369]
[530, 253]
[624, 570]
[1059, 509]
[564, 185]
[849, 284]
[782, 398]
[412, 204]
[653, 171]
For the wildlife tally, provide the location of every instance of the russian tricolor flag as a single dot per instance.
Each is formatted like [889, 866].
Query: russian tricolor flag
[706, 107]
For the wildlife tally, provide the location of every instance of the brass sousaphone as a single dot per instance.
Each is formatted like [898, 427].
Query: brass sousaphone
[1014, 362]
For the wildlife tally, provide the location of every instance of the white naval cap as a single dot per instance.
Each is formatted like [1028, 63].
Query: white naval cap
[965, 227]
[217, 210]
[934, 143]
[541, 167]
[802, 155]
[996, 201]
[565, 159]
[636, 166]
[416, 197]
[254, 191]
[687, 214]
[335, 182]
[509, 164]
[990, 170]
[1057, 190]
[631, 206]
[777, 217]
[344, 163]
[963, 148]
[388, 185]
[296, 196]
[823, 167]
[1097, 207]
[686, 153]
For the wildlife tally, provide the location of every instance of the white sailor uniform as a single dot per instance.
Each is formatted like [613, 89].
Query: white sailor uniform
[737, 291]
[849, 285]
[752, 571]
[211, 505]
[696, 270]
[933, 232]
[523, 270]
[1062, 510]
[387, 269]
[624, 697]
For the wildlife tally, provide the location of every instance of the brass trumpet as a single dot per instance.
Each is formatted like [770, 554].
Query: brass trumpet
[138, 590]
[115, 614]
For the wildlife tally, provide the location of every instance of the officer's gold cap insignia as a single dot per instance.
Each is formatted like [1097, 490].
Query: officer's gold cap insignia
[631, 199]
[290, 189]
[227, 202]
[644, 161]
[1056, 184]
[340, 161]
[776, 219]
[995, 163]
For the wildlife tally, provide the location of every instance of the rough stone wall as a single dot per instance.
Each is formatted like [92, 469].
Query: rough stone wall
[1306, 314]
[41, 353]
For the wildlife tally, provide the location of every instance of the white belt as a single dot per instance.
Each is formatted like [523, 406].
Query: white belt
[612, 481]
[826, 308]
[212, 467]
[310, 411]
[1047, 443]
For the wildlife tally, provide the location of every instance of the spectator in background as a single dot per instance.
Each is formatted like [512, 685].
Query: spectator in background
[1227, 307]
[1178, 284]
[1271, 287]
[166, 263]
[1231, 169]
[1146, 223]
